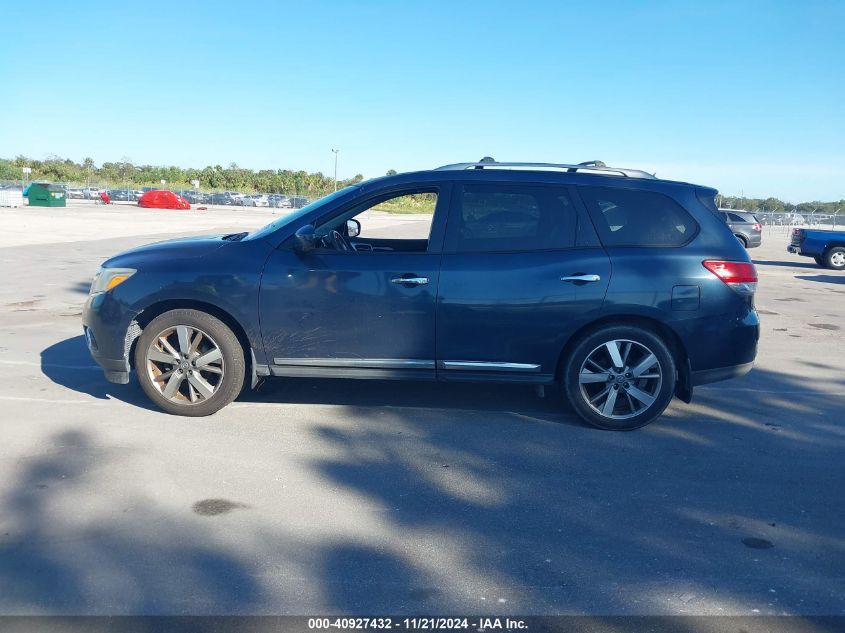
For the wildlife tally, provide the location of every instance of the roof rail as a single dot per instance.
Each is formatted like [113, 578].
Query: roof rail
[593, 166]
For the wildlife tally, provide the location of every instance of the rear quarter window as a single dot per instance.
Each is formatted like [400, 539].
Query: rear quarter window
[631, 217]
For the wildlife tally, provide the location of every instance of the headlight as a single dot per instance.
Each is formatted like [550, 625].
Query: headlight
[108, 278]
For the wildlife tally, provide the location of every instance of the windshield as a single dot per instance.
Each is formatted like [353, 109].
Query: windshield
[292, 217]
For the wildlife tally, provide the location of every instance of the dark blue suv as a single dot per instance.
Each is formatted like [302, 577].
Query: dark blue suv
[624, 289]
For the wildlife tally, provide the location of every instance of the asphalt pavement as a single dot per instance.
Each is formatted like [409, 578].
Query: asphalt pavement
[359, 497]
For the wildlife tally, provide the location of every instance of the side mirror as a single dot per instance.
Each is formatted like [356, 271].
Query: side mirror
[304, 239]
[353, 228]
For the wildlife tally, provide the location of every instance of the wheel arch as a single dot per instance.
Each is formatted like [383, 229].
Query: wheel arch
[158, 308]
[683, 389]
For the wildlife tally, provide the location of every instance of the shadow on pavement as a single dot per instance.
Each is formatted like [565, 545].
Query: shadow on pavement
[828, 279]
[468, 500]
[53, 559]
[69, 364]
[787, 264]
[429, 395]
[82, 287]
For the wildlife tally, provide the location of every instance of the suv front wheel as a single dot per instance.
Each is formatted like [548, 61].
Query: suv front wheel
[189, 363]
[619, 377]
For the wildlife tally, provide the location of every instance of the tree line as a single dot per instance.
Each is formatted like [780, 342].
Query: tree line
[126, 174]
[233, 178]
[774, 205]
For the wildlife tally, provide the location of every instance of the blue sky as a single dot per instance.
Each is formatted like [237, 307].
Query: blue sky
[744, 96]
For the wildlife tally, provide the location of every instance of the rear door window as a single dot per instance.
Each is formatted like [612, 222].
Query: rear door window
[737, 218]
[631, 217]
[502, 217]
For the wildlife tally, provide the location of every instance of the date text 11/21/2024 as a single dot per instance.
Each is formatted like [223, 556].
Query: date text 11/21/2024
[417, 623]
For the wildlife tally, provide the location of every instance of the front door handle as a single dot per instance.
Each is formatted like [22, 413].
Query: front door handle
[580, 277]
[411, 281]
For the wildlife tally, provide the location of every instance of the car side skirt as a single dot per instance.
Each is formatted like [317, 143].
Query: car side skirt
[406, 369]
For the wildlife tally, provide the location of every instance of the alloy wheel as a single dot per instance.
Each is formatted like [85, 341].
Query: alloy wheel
[620, 379]
[185, 364]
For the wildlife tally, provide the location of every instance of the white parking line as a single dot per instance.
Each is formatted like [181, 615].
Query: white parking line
[781, 391]
[51, 401]
[30, 363]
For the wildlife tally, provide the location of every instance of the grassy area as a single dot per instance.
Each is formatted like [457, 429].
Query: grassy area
[422, 203]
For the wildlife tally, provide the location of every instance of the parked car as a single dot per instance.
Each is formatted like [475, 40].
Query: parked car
[819, 218]
[191, 196]
[745, 226]
[221, 198]
[91, 193]
[827, 248]
[278, 201]
[297, 202]
[623, 289]
[74, 192]
[125, 195]
[163, 199]
[257, 200]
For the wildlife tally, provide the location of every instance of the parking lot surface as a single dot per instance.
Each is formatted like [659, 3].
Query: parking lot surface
[323, 496]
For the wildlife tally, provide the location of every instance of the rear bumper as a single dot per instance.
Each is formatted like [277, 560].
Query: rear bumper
[707, 376]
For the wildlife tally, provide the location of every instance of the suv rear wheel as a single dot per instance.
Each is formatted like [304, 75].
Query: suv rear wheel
[189, 363]
[619, 377]
[835, 258]
[742, 240]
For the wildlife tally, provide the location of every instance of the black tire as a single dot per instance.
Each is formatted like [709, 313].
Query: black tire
[217, 334]
[834, 258]
[742, 240]
[820, 260]
[578, 394]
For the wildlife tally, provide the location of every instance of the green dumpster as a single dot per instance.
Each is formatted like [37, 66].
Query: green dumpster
[46, 195]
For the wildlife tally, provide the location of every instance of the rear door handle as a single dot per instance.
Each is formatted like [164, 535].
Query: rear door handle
[582, 278]
[411, 281]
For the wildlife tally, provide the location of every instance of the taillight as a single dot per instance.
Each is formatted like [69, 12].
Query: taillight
[758, 227]
[741, 277]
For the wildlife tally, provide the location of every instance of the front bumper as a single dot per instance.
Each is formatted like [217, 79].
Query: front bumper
[109, 331]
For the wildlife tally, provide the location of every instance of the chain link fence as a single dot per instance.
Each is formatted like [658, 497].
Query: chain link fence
[782, 224]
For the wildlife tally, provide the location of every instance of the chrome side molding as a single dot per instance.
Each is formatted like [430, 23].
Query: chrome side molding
[404, 363]
[359, 363]
[469, 365]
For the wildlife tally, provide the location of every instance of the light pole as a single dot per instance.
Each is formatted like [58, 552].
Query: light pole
[335, 152]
